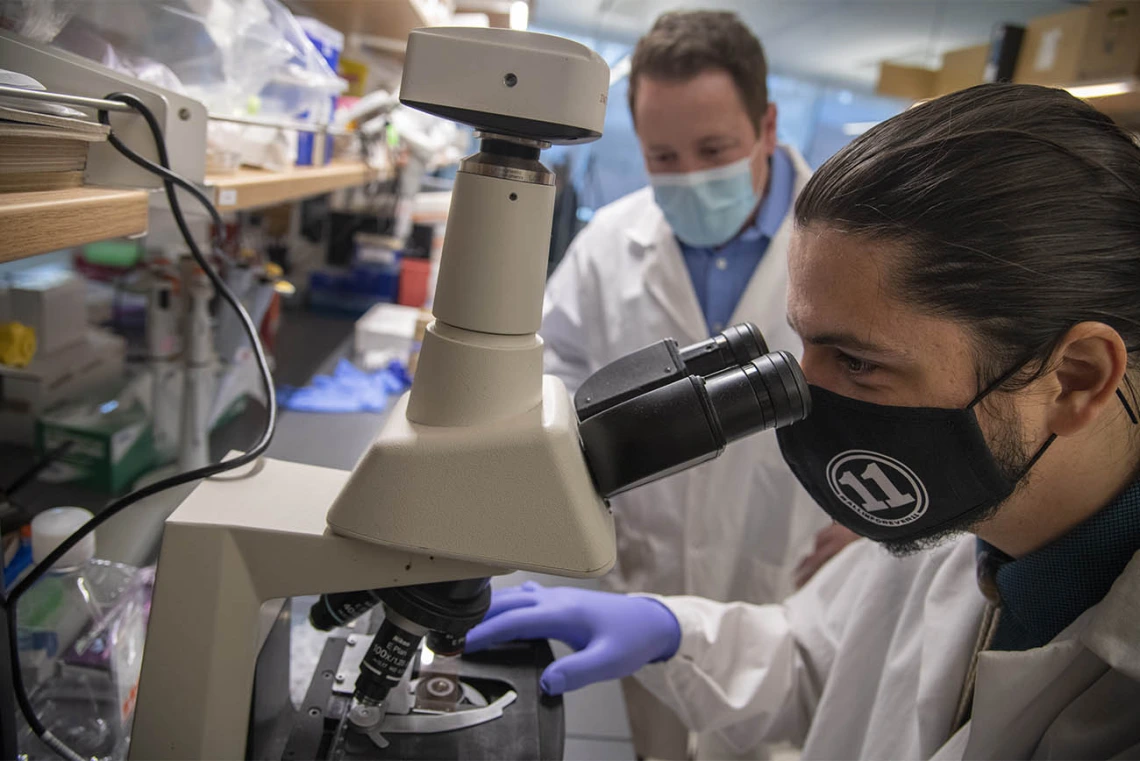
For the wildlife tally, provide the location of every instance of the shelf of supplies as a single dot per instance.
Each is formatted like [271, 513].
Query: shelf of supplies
[48, 220]
[391, 19]
[249, 188]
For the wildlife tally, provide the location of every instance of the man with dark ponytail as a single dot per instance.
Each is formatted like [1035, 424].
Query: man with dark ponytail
[966, 281]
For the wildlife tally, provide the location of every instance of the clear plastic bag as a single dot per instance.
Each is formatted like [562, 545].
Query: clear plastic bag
[239, 57]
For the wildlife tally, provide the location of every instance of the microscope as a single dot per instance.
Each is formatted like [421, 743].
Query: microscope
[484, 467]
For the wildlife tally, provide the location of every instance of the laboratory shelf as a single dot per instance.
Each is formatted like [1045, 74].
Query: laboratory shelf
[387, 19]
[41, 221]
[249, 188]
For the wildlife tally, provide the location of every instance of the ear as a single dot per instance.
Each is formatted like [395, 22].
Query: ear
[768, 130]
[1088, 368]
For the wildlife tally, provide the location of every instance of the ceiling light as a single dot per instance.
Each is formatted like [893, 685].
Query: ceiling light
[620, 70]
[520, 15]
[1104, 90]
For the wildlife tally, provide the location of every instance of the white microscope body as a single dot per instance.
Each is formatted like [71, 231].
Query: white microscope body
[478, 470]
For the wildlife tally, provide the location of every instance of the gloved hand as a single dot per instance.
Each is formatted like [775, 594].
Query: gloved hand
[614, 635]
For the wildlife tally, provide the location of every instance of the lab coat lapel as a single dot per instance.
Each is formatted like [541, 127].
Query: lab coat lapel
[1018, 695]
[947, 647]
[763, 301]
[666, 278]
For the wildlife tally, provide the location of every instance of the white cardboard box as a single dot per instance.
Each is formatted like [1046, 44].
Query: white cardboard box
[25, 392]
[54, 306]
[387, 327]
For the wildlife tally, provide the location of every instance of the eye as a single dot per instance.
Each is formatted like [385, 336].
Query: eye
[854, 365]
[711, 153]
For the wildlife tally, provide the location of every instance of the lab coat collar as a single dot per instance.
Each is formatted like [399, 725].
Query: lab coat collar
[1113, 623]
[667, 281]
[650, 227]
[768, 283]
[1104, 636]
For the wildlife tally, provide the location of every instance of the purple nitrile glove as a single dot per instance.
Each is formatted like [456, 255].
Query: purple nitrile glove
[614, 635]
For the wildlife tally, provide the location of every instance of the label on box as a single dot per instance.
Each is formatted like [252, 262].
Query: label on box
[1047, 50]
[122, 441]
[227, 197]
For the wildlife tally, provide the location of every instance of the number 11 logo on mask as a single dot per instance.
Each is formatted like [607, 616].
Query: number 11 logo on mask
[879, 488]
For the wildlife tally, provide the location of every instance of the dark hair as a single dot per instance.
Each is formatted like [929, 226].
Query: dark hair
[1018, 207]
[683, 44]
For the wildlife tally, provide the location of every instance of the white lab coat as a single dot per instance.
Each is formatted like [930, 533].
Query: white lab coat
[733, 528]
[869, 659]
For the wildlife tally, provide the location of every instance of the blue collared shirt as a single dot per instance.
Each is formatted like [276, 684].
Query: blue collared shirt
[721, 274]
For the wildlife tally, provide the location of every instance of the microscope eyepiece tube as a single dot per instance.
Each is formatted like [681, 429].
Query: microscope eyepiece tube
[735, 347]
[768, 392]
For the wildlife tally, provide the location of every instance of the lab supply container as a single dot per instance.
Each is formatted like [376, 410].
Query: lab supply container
[311, 148]
[95, 362]
[414, 277]
[81, 633]
[51, 302]
[111, 439]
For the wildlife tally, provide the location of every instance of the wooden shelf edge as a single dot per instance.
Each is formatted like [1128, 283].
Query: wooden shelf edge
[41, 221]
[251, 188]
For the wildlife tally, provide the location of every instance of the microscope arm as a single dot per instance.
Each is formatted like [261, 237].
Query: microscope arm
[234, 544]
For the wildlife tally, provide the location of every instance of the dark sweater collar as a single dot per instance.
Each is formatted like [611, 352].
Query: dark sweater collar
[1046, 590]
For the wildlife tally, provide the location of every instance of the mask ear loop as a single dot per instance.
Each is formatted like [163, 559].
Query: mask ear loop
[996, 384]
[1127, 407]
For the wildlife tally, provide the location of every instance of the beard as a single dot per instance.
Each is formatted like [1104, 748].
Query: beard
[1011, 455]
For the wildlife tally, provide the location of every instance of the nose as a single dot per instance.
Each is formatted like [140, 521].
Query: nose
[687, 163]
[811, 364]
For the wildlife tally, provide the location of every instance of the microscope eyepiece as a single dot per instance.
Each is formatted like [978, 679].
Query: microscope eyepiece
[735, 347]
[638, 424]
[768, 392]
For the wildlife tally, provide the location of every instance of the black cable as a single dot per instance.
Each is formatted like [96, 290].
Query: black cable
[170, 182]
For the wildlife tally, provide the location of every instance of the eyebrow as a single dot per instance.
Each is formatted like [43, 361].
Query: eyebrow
[848, 340]
[718, 140]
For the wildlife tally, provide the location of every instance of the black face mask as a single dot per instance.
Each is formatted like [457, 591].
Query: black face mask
[896, 474]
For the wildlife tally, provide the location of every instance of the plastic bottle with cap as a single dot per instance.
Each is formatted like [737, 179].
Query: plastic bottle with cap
[81, 632]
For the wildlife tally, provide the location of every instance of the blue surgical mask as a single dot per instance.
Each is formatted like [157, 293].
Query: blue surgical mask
[709, 207]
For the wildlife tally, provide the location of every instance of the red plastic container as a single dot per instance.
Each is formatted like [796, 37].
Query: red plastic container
[414, 277]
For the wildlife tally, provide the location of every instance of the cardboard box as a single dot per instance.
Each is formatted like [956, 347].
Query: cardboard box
[49, 379]
[1112, 41]
[962, 69]
[54, 305]
[1051, 51]
[909, 82]
[111, 440]
[387, 327]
